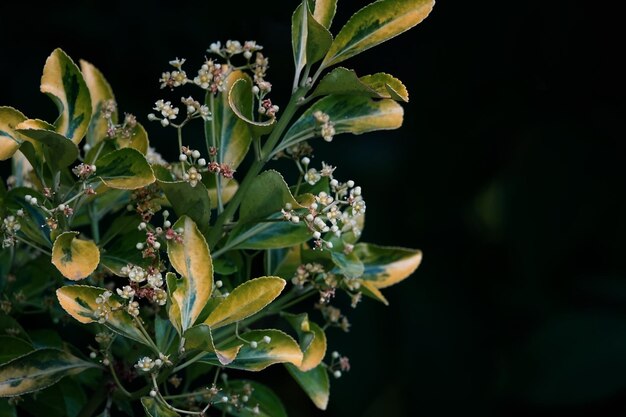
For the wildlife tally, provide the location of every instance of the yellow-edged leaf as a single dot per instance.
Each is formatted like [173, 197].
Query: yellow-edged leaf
[10, 140]
[387, 86]
[385, 266]
[247, 299]
[201, 337]
[229, 188]
[315, 383]
[368, 288]
[63, 82]
[242, 107]
[58, 151]
[138, 140]
[324, 11]
[75, 258]
[375, 24]
[125, 169]
[315, 352]
[101, 92]
[155, 408]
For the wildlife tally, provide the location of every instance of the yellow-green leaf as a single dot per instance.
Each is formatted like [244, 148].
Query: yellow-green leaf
[242, 108]
[125, 169]
[79, 301]
[75, 258]
[385, 266]
[155, 408]
[310, 39]
[343, 81]
[315, 384]
[315, 352]
[101, 92]
[281, 349]
[9, 139]
[387, 86]
[191, 259]
[324, 11]
[200, 337]
[37, 370]
[58, 150]
[12, 347]
[230, 133]
[137, 140]
[173, 310]
[369, 290]
[63, 82]
[246, 300]
[375, 24]
[267, 195]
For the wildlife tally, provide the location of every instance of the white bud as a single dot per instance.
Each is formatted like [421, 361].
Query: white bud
[219, 283]
[61, 207]
[335, 355]
[357, 191]
[288, 206]
[93, 355]
[196, 154]
[295, 219]
[247, 54]
[267, 339]
[28, 197]
[313, 206]
[334, 183]
[245, 398]
[202, 162]
[33, 201]
[182, 157]
[158, 362]
[166, 213]
[86, 147]
[191, 109]
[337, 374]
[130, 207]
[139, 246]
[167, 224]
[350, 183]
[156, 245]
[305, 161]
[309, 217]
[153, 393]
[224, 399]
[93, 168]
[253, 344]
[255, 90]
[165, 122]
[180, 230]
[329, 245]
[142, 226]
[316, 235]
[106, 362]
[152, 117]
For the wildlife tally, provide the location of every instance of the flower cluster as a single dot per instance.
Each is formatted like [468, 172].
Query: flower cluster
[152, 281]
[167, 110]
[175, 78]
[324, 127]
[10, 226]
[232, 48]
[83, 171]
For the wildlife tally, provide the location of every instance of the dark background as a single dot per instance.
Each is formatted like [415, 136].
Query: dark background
[508, 173]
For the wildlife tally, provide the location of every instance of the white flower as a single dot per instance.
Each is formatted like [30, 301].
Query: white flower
[177, 63]
[155, 280]
[133, 308]
[126, 292]
[312, 176]
[145, 364]
[159, 296]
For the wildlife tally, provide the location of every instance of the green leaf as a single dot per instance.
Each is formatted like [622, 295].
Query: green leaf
[12, 347]
[310, 40]
[126, 169]
[101, 92]
[138, 140]
[119, 245]
[58, 150]
[299, 33]
[200, 337]
[349, 265]
[63, 82]
[315, 384]
[324, 11]
[351, 114]
[343, 81]
[6, 409]
[10, 140]
[318, 40]
[230, 133]
[269, 403]
[241, 105]
[75, 258]
[165, 334]
[189, 201]
[282, 348]
[37, 370]
[375, 24]
[387, 86]
[312, 340]
[192, 260]
[33, 220]
[79, 301]
[386, 266]
[270, 234]
[173, 309]
[246, 300]
[155, 408]
[10, 327]
[288, 265]
[266, 196]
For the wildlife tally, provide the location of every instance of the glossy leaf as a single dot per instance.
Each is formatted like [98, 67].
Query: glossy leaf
[10, 327]
[310, 40]
[63, 82]
[375, 24]
[101, 92]
[281, 349]
[79, 301]
[230, 133]
[386, 266]
[125, 169]
[289, 263]
[58, 150]
[387, 86]
[173, 309]
[269, 234]
[318, 40]
[12, 347]
[312, 340]
[267, 195]
[324, 11]
[242, 108]
[9, 139]
[343, 81]
[75, 258]
[192, 260]
[246, 300]
[155, 408]
[269, 403]
[348, 265]
[37, 370]
[315, 384]
[351, 114]
[189, 201]
[200, 337]
[118, 245]
[299, 33]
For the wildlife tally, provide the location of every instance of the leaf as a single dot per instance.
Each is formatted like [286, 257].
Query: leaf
[246, 300]
[12, 347]
[375, 24]
[119, 247]
[343, 81]
[200, 337]
[387, 86]
[282, 348]
[101, 92]
[37, 370]
[75, 258]
[6, 409]
[164, 334]
[369, 290]
[192, 260]
[33, 219]
[63, 82]
[267, 195]
[125, 169]
[270, 234]
[189, 201]
[154, 408]
[299, 33]
[351, 114]
[79, 301]
[315, 384]
[242, 108]
[312, 340]
[10, 327]
[288, 265]
[269, 403]
[230, 133]
[9, 139]
[386, 266]
[349, 265]
[58, 150]
[138, 140]
[173, 309]
[324, 11]
[229, 188]
[310, 40]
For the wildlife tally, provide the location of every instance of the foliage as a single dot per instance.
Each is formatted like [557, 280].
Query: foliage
[141, 269]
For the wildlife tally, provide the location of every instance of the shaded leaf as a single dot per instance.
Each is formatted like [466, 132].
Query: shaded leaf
[200, 337]
[58, 150]
[369, 289]
[229, 188]
[310, 39]
[12, 347]
[75, 258]
[343, 81]
[315, 383]
[242, 108]
[154, 408]
[348, 265]
[100, 92]
[266, 196]
[126, 169]
[9, 139]
[10, 327]
[189, 201]
[386, 266]
[269, 403]
[312, 340]
[269, 234]
[138, 139]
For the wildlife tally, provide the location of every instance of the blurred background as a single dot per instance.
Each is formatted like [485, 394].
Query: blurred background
[509, 173]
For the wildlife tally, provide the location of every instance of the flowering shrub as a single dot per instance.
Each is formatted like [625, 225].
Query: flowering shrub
[164, 251]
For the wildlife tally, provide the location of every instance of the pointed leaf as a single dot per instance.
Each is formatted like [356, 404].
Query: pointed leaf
[299, 33]
[324, 11]
[282, 348]
[375, 24]
[242, 108]
[79, 301]
[318, 40]
[267, 195]
[58, 150]
[189, 201]
[12, 347]
[369, 290]
[63, 82]
[272, 233]
[387, 86]
[312, 340]
[192, 260]
[230, 133]
[154, 408]
[37, 370]
[246, 300]
[314, 382]
[100, 92]
[173, 309]
[269, 403]
[9, 139]
[343, 81]
[200, 337]
[310, 39]
[386, 266]
[75, 258]
[349, 265]
[125, 169]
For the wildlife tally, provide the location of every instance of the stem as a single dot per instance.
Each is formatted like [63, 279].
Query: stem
[146, 335]
[218, 177]
[189, 362]
[171, 407]
[95, 226]
[32, 245]
[117, 381]
[180, 147]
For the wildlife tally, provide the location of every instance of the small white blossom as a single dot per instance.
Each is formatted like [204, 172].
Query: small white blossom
[133, 308]
[145, 364]
[312, 176]
[126, 292]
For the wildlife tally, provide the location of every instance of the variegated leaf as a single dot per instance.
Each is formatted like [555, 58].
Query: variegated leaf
[58, 150]
[312, 340]
[9, 139]
[125, 169]
[387, 86]
[200, 337]
[242, 108]
[315, 383]
[189, 201]
[101, 92]
[75, 258]
[268, 402]
[324, 11]
[385, 266]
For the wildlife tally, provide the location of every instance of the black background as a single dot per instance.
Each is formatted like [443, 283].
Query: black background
[508, 173]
